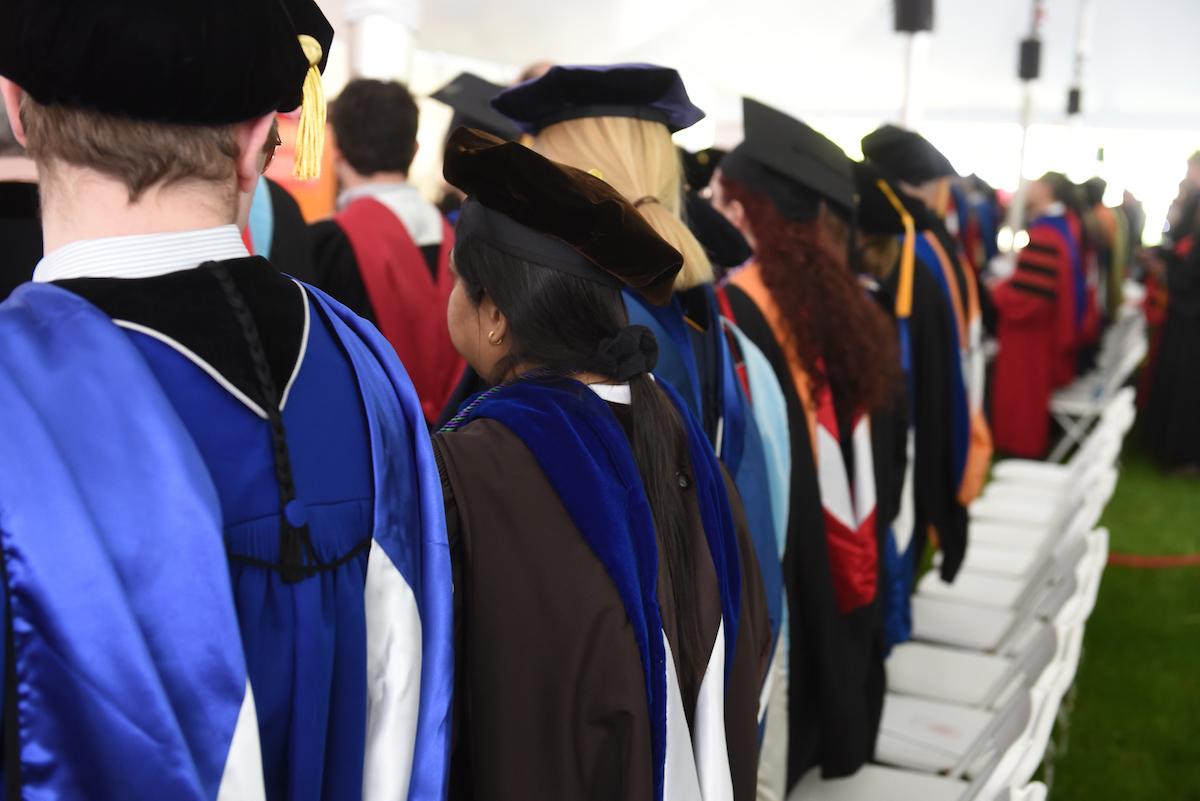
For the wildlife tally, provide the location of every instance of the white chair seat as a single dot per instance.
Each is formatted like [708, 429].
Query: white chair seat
[949, 674]
[983, 557]
[983, 589]
[976, 627]
[933, 736]
[880, 783]
[1013, 536]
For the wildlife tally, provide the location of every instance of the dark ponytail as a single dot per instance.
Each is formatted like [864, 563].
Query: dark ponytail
[566, 324]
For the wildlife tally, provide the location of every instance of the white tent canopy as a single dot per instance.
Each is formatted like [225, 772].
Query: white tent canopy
[840, 66]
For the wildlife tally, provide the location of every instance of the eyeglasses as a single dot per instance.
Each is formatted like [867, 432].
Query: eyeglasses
[273, 143]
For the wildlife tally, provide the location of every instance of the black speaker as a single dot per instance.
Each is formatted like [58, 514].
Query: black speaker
[914, 15]
[1074, 101]
[1031, 59]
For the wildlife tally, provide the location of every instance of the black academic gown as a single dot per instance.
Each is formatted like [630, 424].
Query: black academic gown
[836, 675]
[935, 492]
[20, 234]
[1172, 421]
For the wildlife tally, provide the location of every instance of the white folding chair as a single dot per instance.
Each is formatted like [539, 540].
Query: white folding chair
[881, 783]
[939, 737]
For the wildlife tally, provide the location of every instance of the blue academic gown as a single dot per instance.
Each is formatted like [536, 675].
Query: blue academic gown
[709, 388]
[327, 658]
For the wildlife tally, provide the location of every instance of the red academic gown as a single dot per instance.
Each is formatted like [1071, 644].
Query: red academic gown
[409, 302]
[1038, 340]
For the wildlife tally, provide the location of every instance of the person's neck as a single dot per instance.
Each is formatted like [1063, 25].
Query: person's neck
[18, 169]
[80, 204]
[353, 180]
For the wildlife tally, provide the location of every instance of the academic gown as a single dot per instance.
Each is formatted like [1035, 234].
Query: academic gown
[1172, 422]
[20, 234]
[1038, 337]
[554, 685]
[836, 676]
[348, 666]
[366, 259]
[934, 506]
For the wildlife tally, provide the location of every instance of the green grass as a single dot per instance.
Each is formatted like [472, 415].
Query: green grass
[1134, 732]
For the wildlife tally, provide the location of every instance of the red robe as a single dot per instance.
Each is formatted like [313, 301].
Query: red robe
[408, 301]
[1038, 342]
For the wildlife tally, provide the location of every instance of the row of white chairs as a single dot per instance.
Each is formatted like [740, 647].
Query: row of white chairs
[973, 699]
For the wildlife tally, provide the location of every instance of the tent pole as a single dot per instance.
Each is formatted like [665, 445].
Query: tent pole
[1029, 70]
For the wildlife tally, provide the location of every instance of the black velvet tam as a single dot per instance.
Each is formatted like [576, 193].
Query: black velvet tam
[640, 91]
[471, 98]
[698, 167]
[876, 213]
[791, 163]
[556, 216]
[194, 62]
[906, 155]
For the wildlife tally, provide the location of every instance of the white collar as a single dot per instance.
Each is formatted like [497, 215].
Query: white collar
[375, 190]
[142, 255]
[1055, 209]
[613, 393]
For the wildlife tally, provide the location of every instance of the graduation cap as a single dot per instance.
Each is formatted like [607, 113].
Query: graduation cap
[471, 98]
[721, 240]
[188, 62]
[884, 209]
[698, 167]
[791, 163]
[555, 216]
[906, 155]
[640, 91]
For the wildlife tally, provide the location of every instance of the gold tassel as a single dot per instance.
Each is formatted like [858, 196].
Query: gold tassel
[908, 254]
[310, 133]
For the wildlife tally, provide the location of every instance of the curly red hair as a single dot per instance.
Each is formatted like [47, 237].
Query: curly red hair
[841, 337]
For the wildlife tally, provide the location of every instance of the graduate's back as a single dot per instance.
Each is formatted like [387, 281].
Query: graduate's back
[225, 555]
[607, 588]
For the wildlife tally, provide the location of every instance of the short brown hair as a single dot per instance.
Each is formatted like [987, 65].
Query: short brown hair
[139, 154]
[375, 123]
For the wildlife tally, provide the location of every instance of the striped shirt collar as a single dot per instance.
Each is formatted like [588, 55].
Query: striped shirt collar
[142, 255]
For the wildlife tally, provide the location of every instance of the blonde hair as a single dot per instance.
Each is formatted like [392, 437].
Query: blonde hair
[637, 158]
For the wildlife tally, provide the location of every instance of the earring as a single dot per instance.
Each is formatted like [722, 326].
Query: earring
[492, 338]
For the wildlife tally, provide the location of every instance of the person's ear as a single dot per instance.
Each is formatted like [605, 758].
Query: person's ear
[493, 323]
[251, 142]
[12, 105]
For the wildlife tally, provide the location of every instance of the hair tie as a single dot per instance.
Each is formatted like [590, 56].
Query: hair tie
[642, 201]
[626, 355]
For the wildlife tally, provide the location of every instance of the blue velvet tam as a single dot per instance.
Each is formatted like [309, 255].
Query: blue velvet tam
[906, 155]
[640, 91]
[791, 163]
[471, 98]
[190, 62]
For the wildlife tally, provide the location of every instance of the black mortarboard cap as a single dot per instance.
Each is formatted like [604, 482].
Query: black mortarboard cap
[881, 204]
[791, 163]
[192, 62]
[471, 98]
[906, 155]
[555, 216]
[641, 91]
[721, 240]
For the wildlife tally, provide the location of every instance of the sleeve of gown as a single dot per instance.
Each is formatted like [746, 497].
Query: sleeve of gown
[1035, 286]
[751, 660]
[454, 538]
